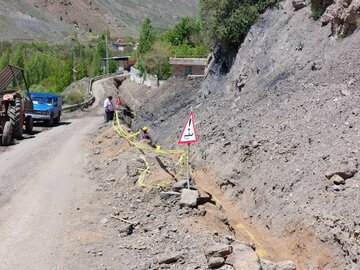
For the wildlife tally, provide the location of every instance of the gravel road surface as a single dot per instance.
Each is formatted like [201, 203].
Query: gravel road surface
[42, 185]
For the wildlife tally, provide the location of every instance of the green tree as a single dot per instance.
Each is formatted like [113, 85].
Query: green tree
[147, 37]
[156, 61]
[4, 59]
[17, 57]
[112, 66]
[226, 22]
[186, 31]
[81, 69]
[64, 75]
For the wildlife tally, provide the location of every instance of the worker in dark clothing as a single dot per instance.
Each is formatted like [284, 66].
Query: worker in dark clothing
[145, 134]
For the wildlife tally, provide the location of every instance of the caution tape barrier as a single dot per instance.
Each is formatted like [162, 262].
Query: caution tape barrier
[131, 138]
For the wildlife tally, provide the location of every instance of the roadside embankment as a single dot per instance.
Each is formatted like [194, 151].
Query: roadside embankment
[271, 131]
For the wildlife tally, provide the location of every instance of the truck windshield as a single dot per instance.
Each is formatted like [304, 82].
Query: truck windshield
[42, 100]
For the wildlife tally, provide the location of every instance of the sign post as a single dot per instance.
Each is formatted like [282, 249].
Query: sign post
[189, 136]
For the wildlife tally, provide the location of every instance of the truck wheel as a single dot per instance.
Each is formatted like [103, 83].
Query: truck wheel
[50, 122]
[57, 120]
[29, 124]
[7, 134]
[15, 117]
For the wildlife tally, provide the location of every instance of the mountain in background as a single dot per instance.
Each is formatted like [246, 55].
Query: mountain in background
[53, 20]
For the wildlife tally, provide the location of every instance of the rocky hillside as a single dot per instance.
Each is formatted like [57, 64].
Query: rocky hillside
[55, 19]
[280, 133]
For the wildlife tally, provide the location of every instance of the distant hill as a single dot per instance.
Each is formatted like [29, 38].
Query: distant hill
[55, 19]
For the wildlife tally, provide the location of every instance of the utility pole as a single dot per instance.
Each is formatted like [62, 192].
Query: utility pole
[107, 54]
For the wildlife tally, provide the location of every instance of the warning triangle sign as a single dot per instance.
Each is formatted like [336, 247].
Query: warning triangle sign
[188, 134]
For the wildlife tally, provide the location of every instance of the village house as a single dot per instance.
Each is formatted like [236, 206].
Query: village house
[182, 67]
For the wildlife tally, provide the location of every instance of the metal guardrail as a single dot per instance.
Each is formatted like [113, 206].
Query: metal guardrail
[91, 100]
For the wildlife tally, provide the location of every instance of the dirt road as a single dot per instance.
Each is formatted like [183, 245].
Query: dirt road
[42, 186]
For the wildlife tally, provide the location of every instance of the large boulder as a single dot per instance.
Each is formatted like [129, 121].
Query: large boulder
[243, 258]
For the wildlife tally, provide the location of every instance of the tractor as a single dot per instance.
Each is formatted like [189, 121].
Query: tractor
[14, 103]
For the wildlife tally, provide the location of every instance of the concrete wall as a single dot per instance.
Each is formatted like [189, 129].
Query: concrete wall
[183, 71]
[146, 79]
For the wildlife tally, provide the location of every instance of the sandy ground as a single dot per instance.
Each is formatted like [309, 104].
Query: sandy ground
[42, 188]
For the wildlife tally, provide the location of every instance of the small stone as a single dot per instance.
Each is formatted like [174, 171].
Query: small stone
[345, 92]
[204, 197]
[215, 262]
[255, 144]
[178, 186]
[286, 265]
[169, 258]
[189, 198]
[267, 265]
[336, 188]
[337, 180]
[104, 221]
[126, 229]
[218, 250]
[348, 173]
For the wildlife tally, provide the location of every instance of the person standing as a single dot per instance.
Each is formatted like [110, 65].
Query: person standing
[109, 109]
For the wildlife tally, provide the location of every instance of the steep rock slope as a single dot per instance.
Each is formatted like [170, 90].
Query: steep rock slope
[54, 19]
[25, 21]
[285, 115]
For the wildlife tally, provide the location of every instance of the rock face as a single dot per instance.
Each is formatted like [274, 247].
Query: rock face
[299, 4]
[295, 110]
[344, 16]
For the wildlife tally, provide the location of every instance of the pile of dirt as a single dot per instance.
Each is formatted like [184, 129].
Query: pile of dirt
[270, 131]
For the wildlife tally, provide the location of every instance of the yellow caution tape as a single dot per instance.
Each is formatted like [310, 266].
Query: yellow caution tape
[259, 249]
[132, 140]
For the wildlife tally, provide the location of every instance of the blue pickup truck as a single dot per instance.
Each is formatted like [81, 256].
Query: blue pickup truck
[47, 108]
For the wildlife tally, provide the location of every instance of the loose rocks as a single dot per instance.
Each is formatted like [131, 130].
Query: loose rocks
[178, 186]
[218, 250]
[348, 173]
[216, 255]
[189, 198]
[268, 265]
[169, 258]
[337, 180]
[243, 258]
[215, 262]
[286, 265]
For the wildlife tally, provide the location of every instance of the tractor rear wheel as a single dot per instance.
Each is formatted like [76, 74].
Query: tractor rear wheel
[7, 134]
[15, 117]
[29, 124]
